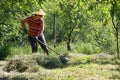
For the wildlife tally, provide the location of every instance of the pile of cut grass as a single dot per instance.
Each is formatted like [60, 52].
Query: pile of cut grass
[32, 63]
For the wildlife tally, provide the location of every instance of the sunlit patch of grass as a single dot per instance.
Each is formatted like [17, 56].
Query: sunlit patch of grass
[101, 58]
[80, 60]
[92, 71]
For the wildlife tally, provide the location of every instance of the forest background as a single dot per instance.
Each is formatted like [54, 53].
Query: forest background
[78, 26]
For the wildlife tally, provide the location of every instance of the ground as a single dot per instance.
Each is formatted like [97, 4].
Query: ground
[80, 70]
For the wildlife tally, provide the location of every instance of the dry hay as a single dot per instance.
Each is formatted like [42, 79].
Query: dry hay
[32, 63]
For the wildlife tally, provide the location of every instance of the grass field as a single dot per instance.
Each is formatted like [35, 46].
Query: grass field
[80, 67]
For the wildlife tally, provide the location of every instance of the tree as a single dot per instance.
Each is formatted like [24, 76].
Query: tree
[115, 11]
[114, 14]
[71, 15]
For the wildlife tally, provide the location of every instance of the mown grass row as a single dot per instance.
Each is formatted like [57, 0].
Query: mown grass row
[40, 67]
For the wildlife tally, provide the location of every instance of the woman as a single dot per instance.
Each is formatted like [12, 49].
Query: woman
[35, 30]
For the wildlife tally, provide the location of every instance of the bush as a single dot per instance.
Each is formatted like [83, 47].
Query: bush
[4, 51]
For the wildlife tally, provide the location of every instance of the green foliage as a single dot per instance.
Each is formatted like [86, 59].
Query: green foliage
[86, 23]
[86, 48]
[71, 14]
[89, 49]
[83, 21]
[4, 51]
[11, 13]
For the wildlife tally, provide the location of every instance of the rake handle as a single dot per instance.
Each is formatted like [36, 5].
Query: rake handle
[47, 46]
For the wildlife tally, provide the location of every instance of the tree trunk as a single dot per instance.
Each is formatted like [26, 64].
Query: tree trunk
[112, 13]
[72, 26]
[117, 39]
[69, 35]
[54, 30]
[117, 44]
[69, 38]
[68, 42]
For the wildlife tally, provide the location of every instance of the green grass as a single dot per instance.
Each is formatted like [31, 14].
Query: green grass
[61, 48]
[80, 72]
[19, 50]
[86, 48]
[4, 51]
[16, 50]
[27, 66]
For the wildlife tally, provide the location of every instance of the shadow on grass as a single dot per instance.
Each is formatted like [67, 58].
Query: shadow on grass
[118, 69]
[115, 76]
[5, 78]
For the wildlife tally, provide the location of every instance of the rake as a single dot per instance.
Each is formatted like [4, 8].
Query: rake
[63, 58]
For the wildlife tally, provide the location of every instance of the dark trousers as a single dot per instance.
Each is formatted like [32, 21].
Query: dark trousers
[34, 43]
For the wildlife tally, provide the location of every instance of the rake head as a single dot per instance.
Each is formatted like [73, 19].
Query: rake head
[64, 59]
